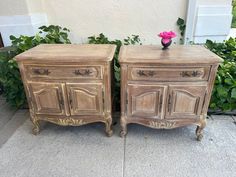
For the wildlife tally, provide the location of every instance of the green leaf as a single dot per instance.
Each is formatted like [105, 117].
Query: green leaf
[228, 81]
[222, 91]
[233, 93]
[180, 21]
[12, 37]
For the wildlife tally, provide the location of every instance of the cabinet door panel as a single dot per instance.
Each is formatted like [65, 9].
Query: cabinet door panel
[47, 98]
[85, 99]
[185, 101]
[145, 100]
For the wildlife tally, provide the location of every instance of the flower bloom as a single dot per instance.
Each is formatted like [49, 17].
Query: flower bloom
[166, 36]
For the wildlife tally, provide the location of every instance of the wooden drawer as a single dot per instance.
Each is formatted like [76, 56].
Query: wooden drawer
[63, 72]
[169, 73]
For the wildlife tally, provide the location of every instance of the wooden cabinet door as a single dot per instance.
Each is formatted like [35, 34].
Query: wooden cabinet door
[185, 101]
[85, 98]
[146, 101]
[48, 98]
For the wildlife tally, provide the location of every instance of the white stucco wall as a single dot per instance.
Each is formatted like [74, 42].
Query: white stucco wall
[13, 7]
[35, 6]
[20, 17]
[115, 18]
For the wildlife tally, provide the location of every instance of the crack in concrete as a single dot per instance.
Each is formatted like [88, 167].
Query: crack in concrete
[123, 169]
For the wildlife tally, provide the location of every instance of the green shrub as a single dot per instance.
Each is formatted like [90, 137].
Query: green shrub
[9, 71]
[224, 92]
[226, 50]
[10, 78]
[102, 39]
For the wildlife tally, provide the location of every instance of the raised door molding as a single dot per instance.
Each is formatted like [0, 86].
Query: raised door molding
[47, 98]
[185, 101]
[146, 101]
[85, 98]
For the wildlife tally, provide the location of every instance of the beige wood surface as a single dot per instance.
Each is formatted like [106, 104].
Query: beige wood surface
[85, 98]
[166, 89]
[69, 52]
[68, 84]
[179, 54]
[47, 98]
[185, 101]
[55, 72]
[169, 73]
[146, 100]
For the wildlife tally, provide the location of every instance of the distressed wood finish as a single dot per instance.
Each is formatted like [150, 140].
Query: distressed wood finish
[69, 85]
[166, 88]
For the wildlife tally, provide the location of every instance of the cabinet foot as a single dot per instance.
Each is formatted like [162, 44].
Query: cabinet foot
[123, 124]
[109, 133]
[108, 124]
[199, 137]
[123, 133]
[199, 130]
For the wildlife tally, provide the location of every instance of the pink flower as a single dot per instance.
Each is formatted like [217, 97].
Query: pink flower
[165, 41]
[166, 36]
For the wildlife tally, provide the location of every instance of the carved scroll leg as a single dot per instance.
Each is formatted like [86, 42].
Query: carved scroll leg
[36, 127]
[123, 124]
[199, 130]
[109, 131]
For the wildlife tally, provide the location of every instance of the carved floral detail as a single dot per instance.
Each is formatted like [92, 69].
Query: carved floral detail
[67, 121]
[165, 124]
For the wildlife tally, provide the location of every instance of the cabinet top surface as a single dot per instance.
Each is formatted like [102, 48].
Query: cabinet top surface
[69, 53]
[175, 54]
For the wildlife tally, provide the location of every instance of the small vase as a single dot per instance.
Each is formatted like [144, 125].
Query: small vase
[165, 45]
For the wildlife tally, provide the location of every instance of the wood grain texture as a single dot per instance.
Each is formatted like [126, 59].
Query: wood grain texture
[166, 89]
[169, 74]
[69, 52]
[68, 85]
[175, 54]
[69, 72]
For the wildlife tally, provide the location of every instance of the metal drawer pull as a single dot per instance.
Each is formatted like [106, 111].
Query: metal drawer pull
[191, 73]
[41, 71]
[61, 101]
[169, 104]
[146, 73]
[160, 103]
[85, 72]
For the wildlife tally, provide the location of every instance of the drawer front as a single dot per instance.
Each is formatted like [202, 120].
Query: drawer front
[63, 72]
[169, 73]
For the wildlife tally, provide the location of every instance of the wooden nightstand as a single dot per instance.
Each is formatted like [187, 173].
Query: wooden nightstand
[68, 84]
[166, 88]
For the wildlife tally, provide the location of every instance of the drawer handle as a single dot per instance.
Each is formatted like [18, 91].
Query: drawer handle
[191, 73]
[85, 72]
[41, 71]
[143, 73]
[61, 101]
[169, 104]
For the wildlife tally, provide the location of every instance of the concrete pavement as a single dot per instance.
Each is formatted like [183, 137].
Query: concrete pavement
[86, 151]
